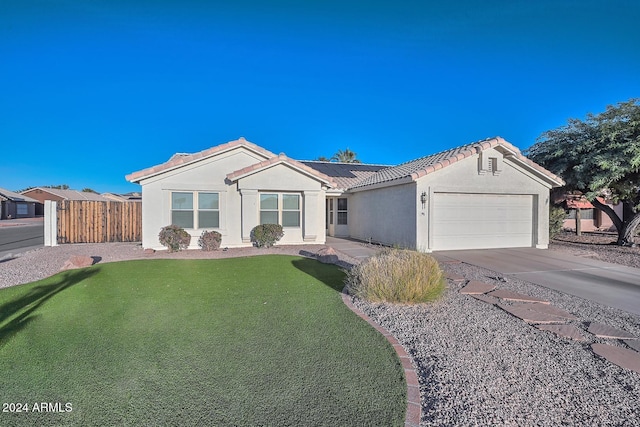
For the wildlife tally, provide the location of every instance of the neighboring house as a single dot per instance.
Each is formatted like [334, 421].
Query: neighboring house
[44, 193]
[591, 219]
[14, 205]
[127, 197]
[481, 195]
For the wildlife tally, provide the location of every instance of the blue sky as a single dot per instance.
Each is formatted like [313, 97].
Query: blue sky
[93, 90]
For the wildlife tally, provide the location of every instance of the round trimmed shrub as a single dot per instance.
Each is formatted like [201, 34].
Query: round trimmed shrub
[397, 276]
[210, 240]
[266, 235]
[174, 238]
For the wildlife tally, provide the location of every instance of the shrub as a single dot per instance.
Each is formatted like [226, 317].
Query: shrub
[557, 215]
[265, 235]
[398, 276]
[210, 240]
[175, 238]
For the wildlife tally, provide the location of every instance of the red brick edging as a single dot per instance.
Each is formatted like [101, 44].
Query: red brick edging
[414, 409]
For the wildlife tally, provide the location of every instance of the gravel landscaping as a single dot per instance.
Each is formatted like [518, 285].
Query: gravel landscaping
[477, 364]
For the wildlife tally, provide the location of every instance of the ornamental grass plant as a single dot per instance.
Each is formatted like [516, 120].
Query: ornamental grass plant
[397, 276]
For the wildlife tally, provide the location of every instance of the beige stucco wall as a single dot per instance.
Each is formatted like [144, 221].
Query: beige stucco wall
[207, 175]
[384, 215]
[394, 214]
[237, 200]
[282, 178]
[464, 177]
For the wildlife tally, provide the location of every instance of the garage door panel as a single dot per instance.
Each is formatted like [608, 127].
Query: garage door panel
[475, 221]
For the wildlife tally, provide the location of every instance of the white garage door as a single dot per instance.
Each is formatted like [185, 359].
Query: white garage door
[477, 221]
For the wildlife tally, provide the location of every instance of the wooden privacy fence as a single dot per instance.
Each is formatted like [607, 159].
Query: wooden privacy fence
[82, 221]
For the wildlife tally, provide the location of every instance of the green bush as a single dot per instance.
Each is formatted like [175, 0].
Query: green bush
[265, 235]
[210, 240]
[175, 238]
[557, 215]
[398, 276]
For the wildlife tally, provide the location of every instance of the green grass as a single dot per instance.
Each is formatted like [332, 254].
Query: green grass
[247, 341]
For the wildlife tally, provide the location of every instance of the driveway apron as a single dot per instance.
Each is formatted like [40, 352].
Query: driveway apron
[609, 284]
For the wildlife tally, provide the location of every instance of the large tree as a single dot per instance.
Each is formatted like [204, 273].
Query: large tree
[599, 156]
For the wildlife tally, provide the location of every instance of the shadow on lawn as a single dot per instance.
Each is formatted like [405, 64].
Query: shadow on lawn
[15, 315]
[328, 274]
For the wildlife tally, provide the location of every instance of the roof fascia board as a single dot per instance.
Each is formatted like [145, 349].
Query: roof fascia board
[392, 183]
[540, 176]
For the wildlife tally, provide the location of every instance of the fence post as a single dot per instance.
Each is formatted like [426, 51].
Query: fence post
[50, 223]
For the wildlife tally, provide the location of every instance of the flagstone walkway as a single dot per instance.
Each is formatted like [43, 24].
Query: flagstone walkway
[543, 316]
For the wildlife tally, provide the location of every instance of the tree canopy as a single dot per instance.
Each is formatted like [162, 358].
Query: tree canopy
[341, 156]
[599, 156]
[345, 156]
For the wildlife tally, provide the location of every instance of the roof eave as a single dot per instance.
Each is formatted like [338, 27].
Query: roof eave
[391, 183]
[137, 177]
[547, 176]
[281, 160]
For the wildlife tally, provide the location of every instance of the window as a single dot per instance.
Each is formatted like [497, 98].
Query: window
[182, 209]
[290, 210]
[208, 210]
[281, 209]
[22, 209]
[183, 214]
[268, 209]
[342, 211]
[584, 214]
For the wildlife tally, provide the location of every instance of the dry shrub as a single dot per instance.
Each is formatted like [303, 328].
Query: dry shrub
[175, 238]
[398, 276]
[266, 235]
[210, 240]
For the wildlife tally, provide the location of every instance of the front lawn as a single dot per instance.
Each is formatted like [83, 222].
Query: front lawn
[247, 341]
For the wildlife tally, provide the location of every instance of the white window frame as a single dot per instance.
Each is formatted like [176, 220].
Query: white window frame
[344, 211]
[195, 209]
[280, 208]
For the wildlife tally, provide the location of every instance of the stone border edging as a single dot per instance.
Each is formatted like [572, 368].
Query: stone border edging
[414, 408]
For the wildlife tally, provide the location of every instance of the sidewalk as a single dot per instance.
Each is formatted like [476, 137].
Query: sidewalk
[21, 221]
[353, 248]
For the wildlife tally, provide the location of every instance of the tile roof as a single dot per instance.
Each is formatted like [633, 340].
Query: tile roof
[128, 197]
[15, 197]
[72, 194]
[415, 169]
[180, 159]
[345, 175]
[280, 159]
[572, 201]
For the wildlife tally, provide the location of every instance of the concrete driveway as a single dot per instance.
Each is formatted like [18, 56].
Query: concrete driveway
[609, 284]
